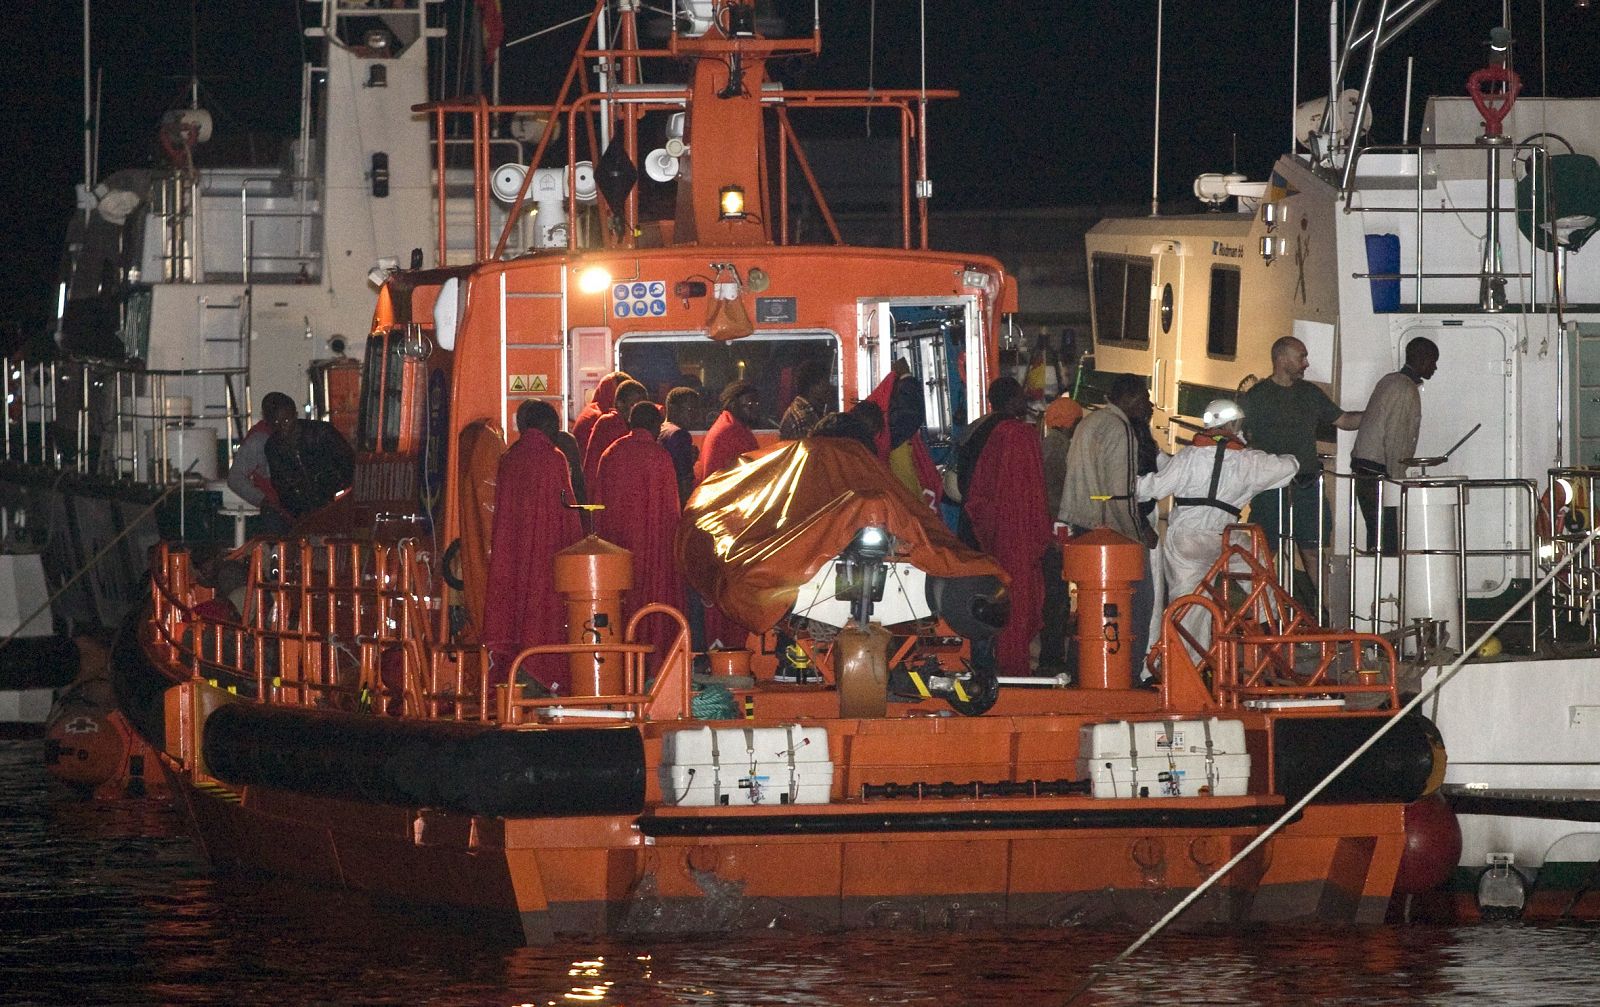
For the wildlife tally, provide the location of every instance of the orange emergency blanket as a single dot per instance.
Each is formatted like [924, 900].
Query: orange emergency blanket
[754, 533]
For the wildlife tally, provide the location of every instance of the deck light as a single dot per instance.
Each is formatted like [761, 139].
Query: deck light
[594, 279]
[730, 202]
[1499, 40]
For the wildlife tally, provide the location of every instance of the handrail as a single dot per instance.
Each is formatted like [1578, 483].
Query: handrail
[1460, 552]
[1492, 210]
[324, 620]
[85, 414]
[1253, 652]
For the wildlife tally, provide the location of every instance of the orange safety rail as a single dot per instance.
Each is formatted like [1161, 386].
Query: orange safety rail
[1259, 633]
[321, 621]
[667, 698]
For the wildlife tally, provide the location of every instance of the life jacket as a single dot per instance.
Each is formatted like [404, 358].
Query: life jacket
[1223, 442]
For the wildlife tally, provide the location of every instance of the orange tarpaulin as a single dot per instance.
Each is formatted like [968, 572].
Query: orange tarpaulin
[753, 534]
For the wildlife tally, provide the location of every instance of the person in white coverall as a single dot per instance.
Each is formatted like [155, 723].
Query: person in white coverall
[1209, 481]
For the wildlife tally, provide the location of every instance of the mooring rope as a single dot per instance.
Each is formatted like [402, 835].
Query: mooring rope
[1099, 971]
[104, 550]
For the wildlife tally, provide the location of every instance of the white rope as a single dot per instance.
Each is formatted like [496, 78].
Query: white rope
[1338, 770]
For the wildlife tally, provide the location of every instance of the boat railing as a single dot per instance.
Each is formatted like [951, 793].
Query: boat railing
[1567, 511]
[122, 421]
[1265, 649]
[667, 697]
[347, 624]
[1415, 562]
[1491, 276]
[303, 216]
[338, 624]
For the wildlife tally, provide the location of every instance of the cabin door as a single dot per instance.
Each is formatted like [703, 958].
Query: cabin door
[1166, 325]
[1582, 445]
[942, 340]
[1475, 384]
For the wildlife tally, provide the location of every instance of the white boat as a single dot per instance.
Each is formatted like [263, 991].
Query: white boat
[191, 289]
[1471, 232]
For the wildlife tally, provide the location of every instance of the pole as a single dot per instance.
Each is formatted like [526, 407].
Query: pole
[1155, 158]
[88, 112]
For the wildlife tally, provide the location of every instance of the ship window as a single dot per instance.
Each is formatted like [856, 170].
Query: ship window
[771, 361]
[1222, 326]
[1120, 292]
[394, 387]
[371, 393]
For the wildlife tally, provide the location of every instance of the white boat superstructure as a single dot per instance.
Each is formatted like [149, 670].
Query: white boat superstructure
[1475, 235]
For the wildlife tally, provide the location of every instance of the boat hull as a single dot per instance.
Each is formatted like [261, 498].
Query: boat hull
[532, 879]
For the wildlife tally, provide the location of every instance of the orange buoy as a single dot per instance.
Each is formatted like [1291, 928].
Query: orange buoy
[1104, 566]
[84, 748]
[593, 575]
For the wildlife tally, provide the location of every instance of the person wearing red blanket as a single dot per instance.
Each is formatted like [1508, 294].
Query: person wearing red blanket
[638, 486]
[729, 437]
[1005, 504]
[900, 443]
[605, 394]
[611, 427]
[531, 525]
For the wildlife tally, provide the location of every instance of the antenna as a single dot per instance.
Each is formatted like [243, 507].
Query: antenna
[1155, 157]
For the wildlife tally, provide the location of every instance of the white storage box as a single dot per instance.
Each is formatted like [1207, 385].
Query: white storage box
[1165, 758]
[746, 765]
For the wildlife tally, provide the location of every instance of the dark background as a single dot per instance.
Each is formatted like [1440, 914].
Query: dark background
[1056, 103]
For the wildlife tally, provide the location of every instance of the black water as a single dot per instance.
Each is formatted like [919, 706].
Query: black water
[112, 904]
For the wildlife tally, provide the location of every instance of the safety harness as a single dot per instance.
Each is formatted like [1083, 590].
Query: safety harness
[1223, 445]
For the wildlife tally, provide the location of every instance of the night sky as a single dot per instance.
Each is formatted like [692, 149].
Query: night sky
[1056, 103]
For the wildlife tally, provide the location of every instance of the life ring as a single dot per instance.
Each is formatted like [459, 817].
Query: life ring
[1568, 500]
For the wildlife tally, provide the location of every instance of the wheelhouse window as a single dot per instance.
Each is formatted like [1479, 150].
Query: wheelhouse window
[1120, 294]
[771, 361]
[1222, 324]
[382, 423]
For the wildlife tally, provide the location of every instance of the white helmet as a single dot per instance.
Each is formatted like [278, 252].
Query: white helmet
[1221, 411]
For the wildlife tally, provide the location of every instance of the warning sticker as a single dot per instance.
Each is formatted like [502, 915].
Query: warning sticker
[533, 384]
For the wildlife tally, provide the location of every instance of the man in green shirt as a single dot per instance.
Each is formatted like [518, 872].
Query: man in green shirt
[1281, 416]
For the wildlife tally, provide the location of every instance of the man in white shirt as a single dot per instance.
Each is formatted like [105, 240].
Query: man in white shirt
[1388, 436]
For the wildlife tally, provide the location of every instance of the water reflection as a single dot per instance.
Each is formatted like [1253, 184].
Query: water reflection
[111, 903]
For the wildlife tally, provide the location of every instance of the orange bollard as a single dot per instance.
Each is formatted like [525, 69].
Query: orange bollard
[593, 575]
[1104, 566]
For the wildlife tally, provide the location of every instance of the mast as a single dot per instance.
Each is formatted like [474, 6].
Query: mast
[88, 115]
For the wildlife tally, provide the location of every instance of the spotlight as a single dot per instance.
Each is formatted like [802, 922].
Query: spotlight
[594, 279]
[730, 202]
[1499, 40]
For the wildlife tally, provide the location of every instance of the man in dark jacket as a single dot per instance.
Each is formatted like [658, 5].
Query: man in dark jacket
[310, 461]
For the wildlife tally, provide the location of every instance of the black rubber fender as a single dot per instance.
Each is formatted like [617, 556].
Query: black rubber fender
[1405, 765]
[470, 768]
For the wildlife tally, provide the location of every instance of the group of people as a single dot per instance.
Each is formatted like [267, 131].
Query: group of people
[631, 465]
[1019, 492]
[1104, 470]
